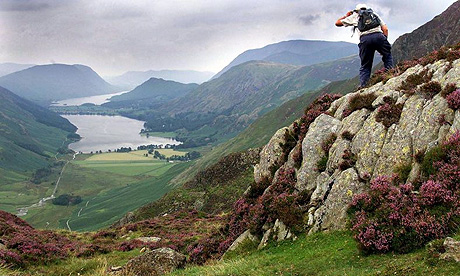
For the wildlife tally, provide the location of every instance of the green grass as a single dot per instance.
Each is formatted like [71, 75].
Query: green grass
[111, 188]
[128, 168]
[107, 207]
[333, 253]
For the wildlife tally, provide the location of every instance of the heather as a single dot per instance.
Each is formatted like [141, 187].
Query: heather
[398, 216]
[24, 245]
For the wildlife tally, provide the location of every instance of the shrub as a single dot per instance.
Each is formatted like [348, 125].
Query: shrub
[430, 89]
[453, 100]
[347, 135]
[389, 113]
[410, 84]
[359, 101]
[398, 217]
[349, 160]
[449, 88]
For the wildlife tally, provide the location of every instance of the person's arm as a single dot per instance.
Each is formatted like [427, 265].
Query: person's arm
[339, 21]
[385, 30]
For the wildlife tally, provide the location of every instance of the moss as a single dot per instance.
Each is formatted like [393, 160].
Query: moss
[403, 171]
[432, 156]
[321, 165]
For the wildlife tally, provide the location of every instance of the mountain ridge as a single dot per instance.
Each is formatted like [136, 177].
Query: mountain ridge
[295, 52]
[51, 82]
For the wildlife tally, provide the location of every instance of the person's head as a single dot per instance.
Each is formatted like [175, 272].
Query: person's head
[360, 7]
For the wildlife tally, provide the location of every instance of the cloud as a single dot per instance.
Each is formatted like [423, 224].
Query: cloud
[23, 5]
[309, 19]
[114, 36]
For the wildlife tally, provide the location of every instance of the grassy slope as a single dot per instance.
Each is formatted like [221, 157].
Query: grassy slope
[110, 186]
[333, 253]
[321, 254]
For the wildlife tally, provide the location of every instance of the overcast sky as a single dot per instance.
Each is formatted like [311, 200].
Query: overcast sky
[114, 36]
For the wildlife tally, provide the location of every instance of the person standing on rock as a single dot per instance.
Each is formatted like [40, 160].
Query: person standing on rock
[373, 33]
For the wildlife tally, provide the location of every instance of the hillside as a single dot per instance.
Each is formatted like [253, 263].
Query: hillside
[8, 68]
[443, 30]
[29, 135]
[221, 108]
[46, 83]
[295, 52]
[132, 79]
[152, 92]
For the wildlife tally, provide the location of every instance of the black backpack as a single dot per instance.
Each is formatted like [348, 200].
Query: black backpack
[367, 20]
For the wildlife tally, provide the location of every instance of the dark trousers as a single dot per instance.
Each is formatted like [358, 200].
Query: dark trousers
[367, 47]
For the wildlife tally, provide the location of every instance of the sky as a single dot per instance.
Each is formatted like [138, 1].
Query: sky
[115, 36]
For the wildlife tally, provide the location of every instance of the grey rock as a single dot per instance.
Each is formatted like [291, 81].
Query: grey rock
[148, 239]
[456, 123]
[428, 126]
[367, 145]
[312, 152]
[156, 262]
[241, 239]
[332, 215]
[398, 146]
[270, 156]
[452, 250]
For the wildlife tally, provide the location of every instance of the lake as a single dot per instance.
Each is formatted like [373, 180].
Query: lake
[111, 132]
[97, 100]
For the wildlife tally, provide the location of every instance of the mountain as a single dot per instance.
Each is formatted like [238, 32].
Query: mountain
[219, 109]
[131, 79]
[29, 135]
[153, 91]
[296, 52]
[443, 30]
[8, 68]
[46, 83]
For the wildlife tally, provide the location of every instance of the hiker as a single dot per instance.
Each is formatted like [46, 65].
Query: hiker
[373, 34]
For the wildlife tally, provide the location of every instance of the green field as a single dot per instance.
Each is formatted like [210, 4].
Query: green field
[326, 254]
[110, 185]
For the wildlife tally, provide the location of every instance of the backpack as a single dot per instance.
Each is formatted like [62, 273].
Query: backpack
[367, 20]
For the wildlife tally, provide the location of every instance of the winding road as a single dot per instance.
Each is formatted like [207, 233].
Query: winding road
[24, 210]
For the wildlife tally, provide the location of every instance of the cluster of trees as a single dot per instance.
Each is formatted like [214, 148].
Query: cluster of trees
[123, 149]
[187, 157]
[66, 200]
[151, 147]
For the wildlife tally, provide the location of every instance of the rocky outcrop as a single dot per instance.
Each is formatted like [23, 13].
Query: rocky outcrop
[365, 147]
[156, 262]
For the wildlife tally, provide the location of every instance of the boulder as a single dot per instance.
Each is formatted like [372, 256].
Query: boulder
[452, 248]
[332, 215]
[271, 156]
[428, 126]
[312, 152]
[367, 145]
[246, 236]
[156, 262]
